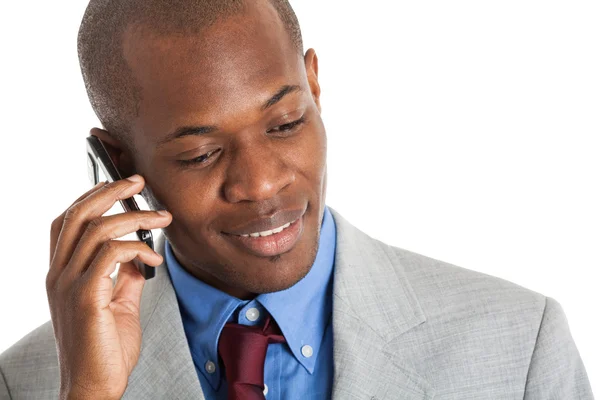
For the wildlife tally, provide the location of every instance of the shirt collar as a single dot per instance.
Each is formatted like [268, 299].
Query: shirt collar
[302, 311]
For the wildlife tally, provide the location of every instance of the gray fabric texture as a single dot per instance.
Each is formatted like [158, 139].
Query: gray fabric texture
[405, 326]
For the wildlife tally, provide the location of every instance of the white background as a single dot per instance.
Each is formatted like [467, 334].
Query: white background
[466, 131]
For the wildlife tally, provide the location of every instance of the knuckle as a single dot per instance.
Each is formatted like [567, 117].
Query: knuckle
[117, 187]
[59, 286]
[62, 295]
[50, 283]
[57, 223]
[110, 247]
[145, 218]
[73, 212]
[99, 229]
[95, 225]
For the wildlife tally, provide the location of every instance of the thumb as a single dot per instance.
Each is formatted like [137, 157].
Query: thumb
[130, 282]
[127, 295]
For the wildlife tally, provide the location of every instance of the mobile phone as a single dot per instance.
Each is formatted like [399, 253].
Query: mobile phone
[98, 157]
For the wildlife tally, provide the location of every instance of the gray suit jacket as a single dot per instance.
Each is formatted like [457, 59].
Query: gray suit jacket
[405, 326]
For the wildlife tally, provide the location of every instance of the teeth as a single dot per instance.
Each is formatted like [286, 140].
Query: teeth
[267, 233]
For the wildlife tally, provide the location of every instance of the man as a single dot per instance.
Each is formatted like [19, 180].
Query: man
[261, 290]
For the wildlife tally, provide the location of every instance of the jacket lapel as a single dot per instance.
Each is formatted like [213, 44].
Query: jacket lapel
[373, 303]
[165, 369]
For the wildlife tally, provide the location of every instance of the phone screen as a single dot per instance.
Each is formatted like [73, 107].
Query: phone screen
[100, 165]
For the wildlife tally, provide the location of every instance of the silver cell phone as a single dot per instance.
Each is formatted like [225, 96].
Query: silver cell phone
[98, 157]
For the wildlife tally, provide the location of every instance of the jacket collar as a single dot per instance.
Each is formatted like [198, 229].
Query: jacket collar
[373, 303]
[370, 284]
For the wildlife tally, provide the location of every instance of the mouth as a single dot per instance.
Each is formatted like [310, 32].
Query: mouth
[272, 242]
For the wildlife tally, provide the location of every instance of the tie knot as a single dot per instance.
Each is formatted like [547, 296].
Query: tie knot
[243, 350]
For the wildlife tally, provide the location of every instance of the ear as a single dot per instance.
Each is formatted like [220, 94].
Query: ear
[117, 151]
[311, 63]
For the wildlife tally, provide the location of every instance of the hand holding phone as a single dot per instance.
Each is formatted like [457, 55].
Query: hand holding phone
[98, 158]
[97, 326]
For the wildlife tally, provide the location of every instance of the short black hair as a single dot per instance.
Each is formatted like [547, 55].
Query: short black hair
[113, 92]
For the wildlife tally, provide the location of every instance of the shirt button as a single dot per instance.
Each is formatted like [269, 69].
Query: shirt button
[307, 351]
[210, 367]
[252, 314]
[266, 390]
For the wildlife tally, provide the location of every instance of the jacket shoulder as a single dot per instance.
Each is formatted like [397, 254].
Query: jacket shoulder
[442, 286]
[481, 325]
[472, 316]
[30, 366]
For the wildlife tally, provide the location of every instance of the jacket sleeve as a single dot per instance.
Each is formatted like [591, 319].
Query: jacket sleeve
[556, 370]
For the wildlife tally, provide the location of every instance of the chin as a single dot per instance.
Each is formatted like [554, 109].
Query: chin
[275, 283]
[284, 270]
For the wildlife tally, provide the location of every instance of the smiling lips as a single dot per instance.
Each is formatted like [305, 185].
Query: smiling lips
[254, 238]
[263, 225]
[267, 233]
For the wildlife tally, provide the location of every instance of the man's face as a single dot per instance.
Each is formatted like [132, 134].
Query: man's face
[259, 163]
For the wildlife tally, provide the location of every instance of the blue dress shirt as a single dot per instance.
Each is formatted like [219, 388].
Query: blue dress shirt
[301, 368]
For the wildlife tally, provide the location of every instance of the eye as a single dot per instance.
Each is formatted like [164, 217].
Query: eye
[290, 126]
[203, 159]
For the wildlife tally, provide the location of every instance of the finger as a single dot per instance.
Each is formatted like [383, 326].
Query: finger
[79, 214]
[97, 276]
[108, 228]
[93, 189]
[58, 221]
[130, 284]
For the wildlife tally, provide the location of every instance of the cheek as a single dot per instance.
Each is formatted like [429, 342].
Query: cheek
[195, 199]
[189, 199]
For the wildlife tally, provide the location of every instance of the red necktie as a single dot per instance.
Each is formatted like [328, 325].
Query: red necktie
[243, 350]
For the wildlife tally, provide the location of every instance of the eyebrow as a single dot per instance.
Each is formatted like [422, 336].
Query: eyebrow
[201, 130]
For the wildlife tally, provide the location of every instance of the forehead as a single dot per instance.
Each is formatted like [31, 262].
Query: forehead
[229, 69]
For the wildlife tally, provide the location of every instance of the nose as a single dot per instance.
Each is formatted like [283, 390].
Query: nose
[256, 173]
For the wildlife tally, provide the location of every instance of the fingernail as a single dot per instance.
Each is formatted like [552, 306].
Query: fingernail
[163, 212]
[135, 178]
